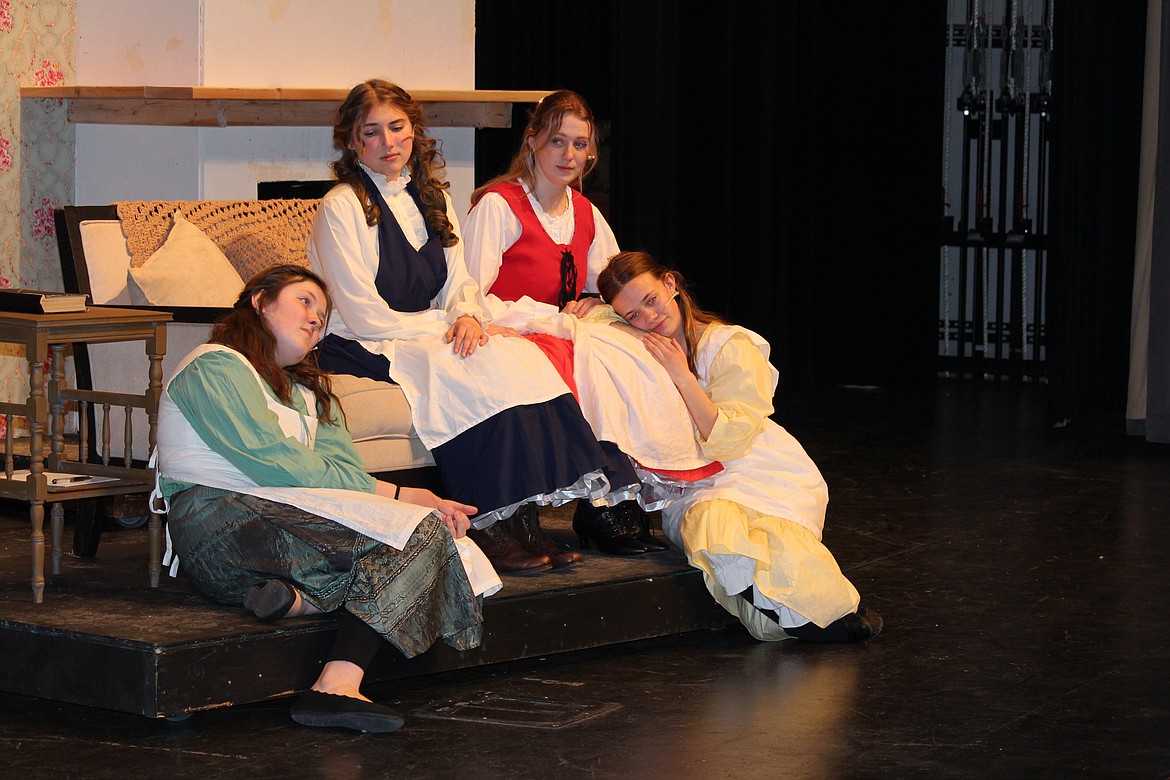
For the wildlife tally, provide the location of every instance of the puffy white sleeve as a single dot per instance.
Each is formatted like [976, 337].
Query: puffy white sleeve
[603, 248]
[740, 386]
[492, 227]
[461, 293]
[343, 249]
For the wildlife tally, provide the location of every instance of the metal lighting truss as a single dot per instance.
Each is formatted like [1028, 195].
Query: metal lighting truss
[994, 244]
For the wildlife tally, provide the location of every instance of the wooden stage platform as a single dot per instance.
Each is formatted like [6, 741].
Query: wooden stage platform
[103, 638]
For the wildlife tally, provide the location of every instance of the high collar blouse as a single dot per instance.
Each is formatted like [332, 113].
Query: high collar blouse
[414, 226]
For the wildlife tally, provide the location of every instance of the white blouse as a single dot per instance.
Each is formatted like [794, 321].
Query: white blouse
[343, 249]
[492, 228]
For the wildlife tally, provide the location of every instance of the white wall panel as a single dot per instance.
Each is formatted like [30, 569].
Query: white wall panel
[306, 43]
[136, 42]
[126, 162]
[257, 43]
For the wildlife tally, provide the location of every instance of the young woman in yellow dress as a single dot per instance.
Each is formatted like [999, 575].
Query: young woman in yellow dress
[754, 528]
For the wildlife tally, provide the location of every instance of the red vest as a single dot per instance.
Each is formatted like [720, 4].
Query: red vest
[532, 266]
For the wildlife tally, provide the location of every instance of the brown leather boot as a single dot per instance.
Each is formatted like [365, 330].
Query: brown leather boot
[505, 553]
[525, 526]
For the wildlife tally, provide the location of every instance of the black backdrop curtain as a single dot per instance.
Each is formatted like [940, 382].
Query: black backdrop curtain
[785, 156]
[1096, 142]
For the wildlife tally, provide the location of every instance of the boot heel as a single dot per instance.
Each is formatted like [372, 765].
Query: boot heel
[602, 527]
[504, 551]
[524, 525]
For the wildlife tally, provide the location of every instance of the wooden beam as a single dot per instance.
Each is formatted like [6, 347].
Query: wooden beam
[258, 107]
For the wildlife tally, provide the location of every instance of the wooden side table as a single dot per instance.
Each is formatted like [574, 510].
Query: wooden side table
[45, 337]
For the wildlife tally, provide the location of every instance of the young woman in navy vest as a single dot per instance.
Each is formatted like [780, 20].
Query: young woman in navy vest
[386, 239]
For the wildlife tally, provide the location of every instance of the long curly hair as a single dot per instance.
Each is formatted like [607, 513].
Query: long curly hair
[624, 267]
[244, 330]
[544, 122]
[426, 162]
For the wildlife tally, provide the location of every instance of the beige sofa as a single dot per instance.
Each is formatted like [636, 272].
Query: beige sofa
[132, 254]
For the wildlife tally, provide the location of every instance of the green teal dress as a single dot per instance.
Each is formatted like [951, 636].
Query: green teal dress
[229, 541]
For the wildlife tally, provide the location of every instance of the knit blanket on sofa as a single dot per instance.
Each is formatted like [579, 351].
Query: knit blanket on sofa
[254, 234]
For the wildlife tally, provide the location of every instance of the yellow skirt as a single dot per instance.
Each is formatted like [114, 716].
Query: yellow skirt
[737, 548]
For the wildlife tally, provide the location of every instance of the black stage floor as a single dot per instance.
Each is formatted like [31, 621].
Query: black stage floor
[166, 652]
[1021, 570]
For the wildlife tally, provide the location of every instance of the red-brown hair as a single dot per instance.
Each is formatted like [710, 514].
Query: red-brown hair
[245, 331]
[426, 161]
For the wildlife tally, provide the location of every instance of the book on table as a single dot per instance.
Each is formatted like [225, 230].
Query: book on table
[28, 301]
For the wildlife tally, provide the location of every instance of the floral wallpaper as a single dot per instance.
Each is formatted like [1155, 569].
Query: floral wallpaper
[37, 45]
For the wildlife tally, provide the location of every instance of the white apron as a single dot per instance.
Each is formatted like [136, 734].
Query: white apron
[626, 395]
[776, 477]
[185, 457]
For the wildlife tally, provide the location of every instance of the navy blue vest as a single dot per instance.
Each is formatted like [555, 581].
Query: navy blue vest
[407, 279]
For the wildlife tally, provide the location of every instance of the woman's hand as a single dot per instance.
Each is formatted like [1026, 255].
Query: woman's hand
[582, 307]
[673, 358]
[467, 335]
[502, 330]
[668, 352]
[454, 514]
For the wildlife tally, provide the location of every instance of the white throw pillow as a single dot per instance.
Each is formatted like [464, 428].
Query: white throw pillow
[187, 270]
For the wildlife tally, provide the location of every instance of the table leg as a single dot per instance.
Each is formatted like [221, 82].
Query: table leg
[155, 540]
[37, 351]
[56, 530]
[36, 515]
[56, 405]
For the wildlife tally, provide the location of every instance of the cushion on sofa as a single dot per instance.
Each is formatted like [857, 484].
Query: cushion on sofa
[253, 234]
[379, 420]
[187, 270]
[373, 409]
[107, 260]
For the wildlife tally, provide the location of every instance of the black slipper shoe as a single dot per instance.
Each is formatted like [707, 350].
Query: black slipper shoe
[271, 601]
[329, 710]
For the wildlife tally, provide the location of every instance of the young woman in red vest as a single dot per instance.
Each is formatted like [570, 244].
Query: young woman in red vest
[535, 245]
